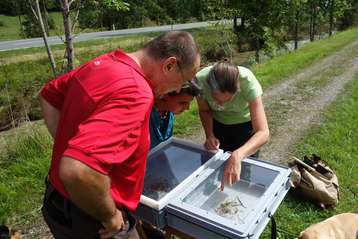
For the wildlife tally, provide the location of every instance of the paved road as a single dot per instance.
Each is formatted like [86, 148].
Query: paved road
[37, 42]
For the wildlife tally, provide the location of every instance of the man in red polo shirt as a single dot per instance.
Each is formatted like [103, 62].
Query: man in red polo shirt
[98, 115]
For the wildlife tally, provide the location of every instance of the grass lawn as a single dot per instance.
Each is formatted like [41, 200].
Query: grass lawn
[10, 27]
[285, 65]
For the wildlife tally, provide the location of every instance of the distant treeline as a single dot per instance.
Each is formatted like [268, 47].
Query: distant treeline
[119, 14]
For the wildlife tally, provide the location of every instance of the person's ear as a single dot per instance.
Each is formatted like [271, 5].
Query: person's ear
[170, 63]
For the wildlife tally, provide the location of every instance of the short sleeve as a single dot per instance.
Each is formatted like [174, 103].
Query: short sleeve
[250, 85]
[201, 77]
[112, 133]
[54, 91]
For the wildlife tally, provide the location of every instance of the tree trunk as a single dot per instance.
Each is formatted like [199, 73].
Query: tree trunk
[235, 27]
[68, 34]
[295, 36]
[312, 23]
[257, 50]
[242, 24]
[331, 12]
[46, 23]
[44, 36]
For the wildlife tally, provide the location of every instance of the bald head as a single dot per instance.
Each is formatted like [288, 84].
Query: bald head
[178, 44]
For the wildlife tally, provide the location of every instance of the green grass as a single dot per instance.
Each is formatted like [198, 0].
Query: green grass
[188, 121]
[283, 66]
[22, 172]
[336, 142]
[10, 28]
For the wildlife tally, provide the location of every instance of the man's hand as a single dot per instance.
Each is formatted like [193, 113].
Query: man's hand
[212, 143]
[114, 226]
[232, 170]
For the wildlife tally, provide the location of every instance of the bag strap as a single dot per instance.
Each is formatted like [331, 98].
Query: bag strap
[273, 227]
[303, 164]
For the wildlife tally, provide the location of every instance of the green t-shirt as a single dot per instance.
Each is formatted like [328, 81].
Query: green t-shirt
[237, 110]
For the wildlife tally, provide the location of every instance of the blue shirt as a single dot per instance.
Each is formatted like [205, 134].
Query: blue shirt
[160, 128]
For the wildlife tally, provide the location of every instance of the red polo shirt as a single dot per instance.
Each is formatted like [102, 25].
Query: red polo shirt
[104, 116]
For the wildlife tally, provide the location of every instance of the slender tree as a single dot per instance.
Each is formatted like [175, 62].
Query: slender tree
[65, 6]
[37, 14]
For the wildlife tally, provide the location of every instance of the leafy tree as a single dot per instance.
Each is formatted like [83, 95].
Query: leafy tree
[12, 7]
[101, 13]
[262, 19]
[314, 7]
[29, 23]
[17, 7]
[349, 16]
[184, 10]
[142, 13]
[222, 45]
[334, 9]
[295, 18]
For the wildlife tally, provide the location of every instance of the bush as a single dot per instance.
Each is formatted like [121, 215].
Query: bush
[218, 46]
[31, 27]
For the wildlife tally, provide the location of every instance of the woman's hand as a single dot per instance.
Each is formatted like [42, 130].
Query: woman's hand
[212, 143]
[232, 170]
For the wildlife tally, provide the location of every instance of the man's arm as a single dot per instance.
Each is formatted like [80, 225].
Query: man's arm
[51, 116]
[90, 191]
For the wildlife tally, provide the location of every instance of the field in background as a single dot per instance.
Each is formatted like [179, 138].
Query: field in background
[10, 26]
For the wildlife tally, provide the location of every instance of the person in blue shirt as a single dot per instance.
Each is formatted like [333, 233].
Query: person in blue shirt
[161, 128]
[162, 116]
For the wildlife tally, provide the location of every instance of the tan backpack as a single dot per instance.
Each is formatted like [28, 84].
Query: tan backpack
[315, 180]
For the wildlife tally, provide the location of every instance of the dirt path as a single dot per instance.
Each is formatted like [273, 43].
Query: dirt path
[296, 104]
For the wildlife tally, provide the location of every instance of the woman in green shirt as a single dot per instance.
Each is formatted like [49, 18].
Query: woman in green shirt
[232, 114]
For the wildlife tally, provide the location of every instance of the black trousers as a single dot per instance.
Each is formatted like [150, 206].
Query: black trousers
[233, 136]
[67, 221]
